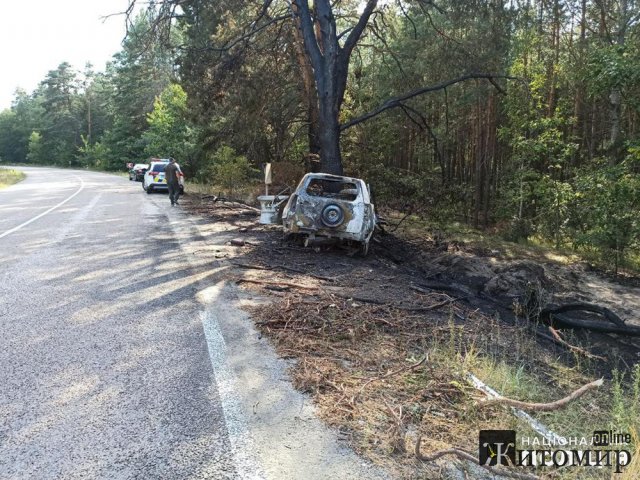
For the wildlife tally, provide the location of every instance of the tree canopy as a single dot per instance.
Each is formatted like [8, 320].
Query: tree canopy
[500, 114]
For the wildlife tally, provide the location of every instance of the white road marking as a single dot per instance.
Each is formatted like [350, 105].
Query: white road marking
[247, 466]
[15, 229]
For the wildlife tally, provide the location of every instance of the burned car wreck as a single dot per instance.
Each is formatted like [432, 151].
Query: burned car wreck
[330, 208]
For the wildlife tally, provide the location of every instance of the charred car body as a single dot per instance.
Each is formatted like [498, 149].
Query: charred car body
[330, 207]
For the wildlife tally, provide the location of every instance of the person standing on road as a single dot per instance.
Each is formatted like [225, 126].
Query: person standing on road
[172, 173]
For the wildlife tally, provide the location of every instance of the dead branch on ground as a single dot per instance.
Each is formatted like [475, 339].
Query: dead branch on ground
[471, 458]
[398, 430]
[387, 375]
[543, 407]
[554, 317]
[573, 348]
[282, 267]
[586, 307]
[278, 284]
[407, 308]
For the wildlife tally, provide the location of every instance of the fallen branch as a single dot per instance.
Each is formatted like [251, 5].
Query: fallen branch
[387, 375]
[361, 299]
[282, 267]
[279, 284]
[406, 308]
[398, 431]
[561, 341]
[434, 286]
[585, 307]
[562, 321]
[566, 345]
[471, 458]
[397, 225]
[430, 307]
[237, 202]
[543, 407]
[553, 316]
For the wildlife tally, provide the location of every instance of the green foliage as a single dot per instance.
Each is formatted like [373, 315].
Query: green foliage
[555, 203]
[625, 405]
[536, 161]
[137, 76]
[93, 155]
[12, 143]
[607, 210]
[249, 98]
[613, 66]
[169, 133]
[229, 170]
[36, 152]
[16, 125]
[58, 95]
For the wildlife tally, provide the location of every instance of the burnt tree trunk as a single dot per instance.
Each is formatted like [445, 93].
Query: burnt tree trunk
[330, 63]
[310, 92]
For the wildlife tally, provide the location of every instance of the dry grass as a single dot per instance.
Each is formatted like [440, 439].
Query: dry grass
[10, 177]
[358, 361]
[358, 339]
[361, 364]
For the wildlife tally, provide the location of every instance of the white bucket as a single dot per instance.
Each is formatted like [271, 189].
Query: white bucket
[270, 206]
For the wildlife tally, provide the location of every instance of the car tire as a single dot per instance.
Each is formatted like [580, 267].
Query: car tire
[149, 189]
[332, 215]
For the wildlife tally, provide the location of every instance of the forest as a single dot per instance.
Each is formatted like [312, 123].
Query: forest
[517, 117]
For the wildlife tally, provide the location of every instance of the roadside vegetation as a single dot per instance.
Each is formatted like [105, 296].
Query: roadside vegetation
[534, 137]
[493, 134]
[9, 177]
[386, 347]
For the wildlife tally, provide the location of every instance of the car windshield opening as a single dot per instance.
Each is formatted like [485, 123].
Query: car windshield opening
[159, 168]
[322, 187]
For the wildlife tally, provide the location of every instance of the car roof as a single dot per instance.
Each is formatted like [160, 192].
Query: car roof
[334, 178]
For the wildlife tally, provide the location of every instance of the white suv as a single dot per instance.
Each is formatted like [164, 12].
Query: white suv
[154, 178]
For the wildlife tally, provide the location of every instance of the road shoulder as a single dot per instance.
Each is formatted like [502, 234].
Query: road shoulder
[274, 428]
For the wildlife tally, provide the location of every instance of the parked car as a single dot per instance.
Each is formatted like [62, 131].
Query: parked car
[137, 172]
[330, 207]
[154, 178]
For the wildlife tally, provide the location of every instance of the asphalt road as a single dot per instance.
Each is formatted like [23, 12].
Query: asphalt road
[124, 350]
[104, 367]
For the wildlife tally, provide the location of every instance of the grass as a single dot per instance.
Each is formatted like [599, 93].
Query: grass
[437, 401]
[355, 360]
[10, 177]
[503, 360]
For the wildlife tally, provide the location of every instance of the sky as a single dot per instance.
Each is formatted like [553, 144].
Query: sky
[37, 35]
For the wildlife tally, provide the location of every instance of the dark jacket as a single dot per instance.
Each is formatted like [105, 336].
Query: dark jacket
[171, 173]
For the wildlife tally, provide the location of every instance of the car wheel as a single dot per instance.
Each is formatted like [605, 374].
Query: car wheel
[332, 215]
[149, 189]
